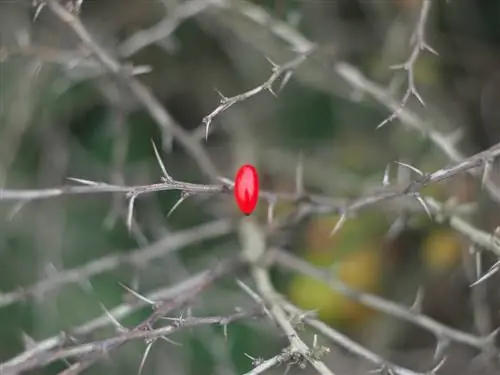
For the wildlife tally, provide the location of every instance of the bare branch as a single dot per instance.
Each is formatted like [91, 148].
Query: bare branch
[227, 102]
[141, 92]
[288, 261]
[138, 257]
[346, 342]
[253, 247]
[102, 346]
[419, 44]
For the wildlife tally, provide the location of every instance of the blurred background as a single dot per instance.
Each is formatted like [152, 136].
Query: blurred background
[62, 115]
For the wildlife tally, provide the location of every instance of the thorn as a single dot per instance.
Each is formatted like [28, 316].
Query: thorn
[184, 195]
[285, 80]
[224, 329]
[493, 269]
[419, 298]
[170, 341]
[16, 209]
[38, 10]
[130, 211]
[119, 327]
[421, 200]
[438, 365]
[427, 47]
[28, 341]
[270, 89]
[386, 178]
[414, 169]
[166, 176]
[206, 122]
[273, 64]
[299, 175]
[397, 66]
[417, 95]
[339, 224]
[85, 182]
[145, 355]
[137, 295]
[223, 99]
[387, 120]
[270, 212]
[488, 166]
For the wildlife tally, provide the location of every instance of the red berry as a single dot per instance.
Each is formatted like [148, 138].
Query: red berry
[246, 188]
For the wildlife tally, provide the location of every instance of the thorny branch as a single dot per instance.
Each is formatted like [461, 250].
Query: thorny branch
[119, 312]
[139, 257]
[161, 309]
[418, 40]
[285, 70]
[288, 261]
[102, 346]
[253, 247]
[45, 352]
[141, 92]
[345, 207]
[345, 341]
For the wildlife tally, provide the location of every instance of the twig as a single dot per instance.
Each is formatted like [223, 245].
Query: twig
[346, 342]
[164, 307]
[166, 26]
[139, 257]
[119, 312]
[262, 366]
[446, 143]
[227, 102]
[141, 92]
[290, 262]
[316, 203]
[254, 245]
[102, 346]
[419, 44]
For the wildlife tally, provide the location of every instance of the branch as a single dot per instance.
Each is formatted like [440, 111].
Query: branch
[165, 27]
[419, 44]
[119, 312]
[278, 71]
[347, 343]
[290, 262]
[162, 308]
[298, 42]
[139, 257]
[254, 245]
[142, 93]
[101, 347]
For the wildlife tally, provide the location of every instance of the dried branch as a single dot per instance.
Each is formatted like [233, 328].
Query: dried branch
[444, 142]
[278, 71]
[253, 247]
[316, 203]
[419, 45]
[166, 123]
[139, 257]
[164, 307]
[346, 342]
[102, 346]
[290, 262]
[119, 312]
[166, 27]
